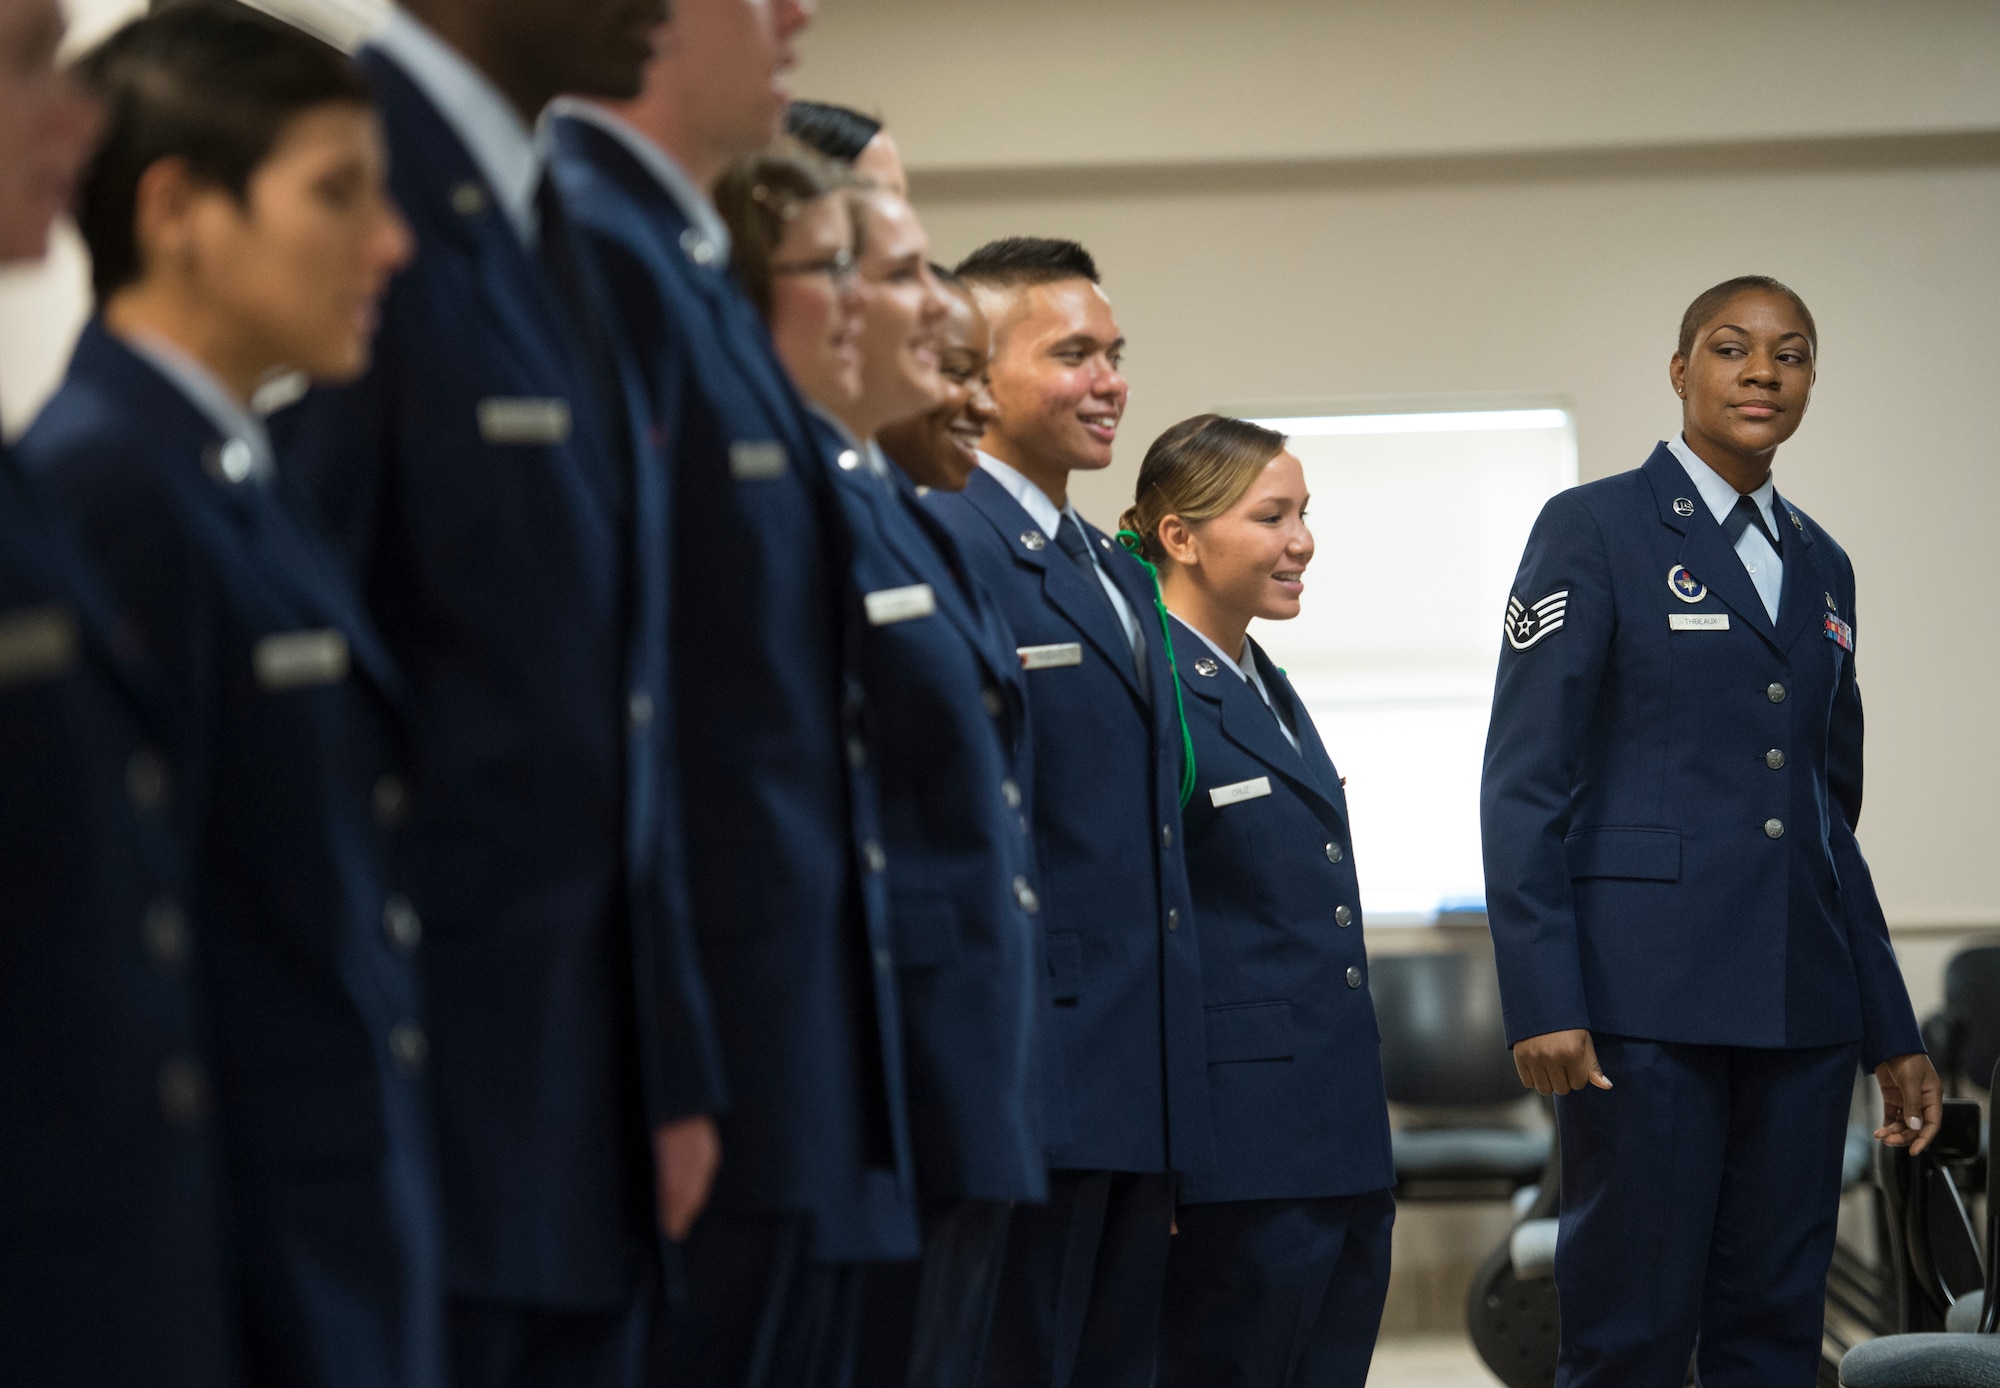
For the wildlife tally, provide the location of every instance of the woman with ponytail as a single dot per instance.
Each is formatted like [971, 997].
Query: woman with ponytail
[1281, 1264]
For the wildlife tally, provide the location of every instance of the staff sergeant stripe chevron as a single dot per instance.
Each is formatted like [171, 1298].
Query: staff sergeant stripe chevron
[1527, 625]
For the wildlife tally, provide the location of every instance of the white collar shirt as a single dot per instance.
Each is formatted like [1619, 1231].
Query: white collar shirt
[1246, 670]
[688, 196]
[1046, 514]
[510, 155]
[246, 446]
[1760, 560]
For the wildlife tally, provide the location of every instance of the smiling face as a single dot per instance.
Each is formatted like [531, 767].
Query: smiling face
[46, 126]
[901, 307]
[940, 448]
[816, 305]
[1250, 561]
[1745, 382]
[1057, 382]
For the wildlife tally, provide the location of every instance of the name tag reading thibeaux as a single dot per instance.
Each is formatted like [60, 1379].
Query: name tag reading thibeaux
[757, 460]
[890, 605]
[1697, 621]
[300, 659]
[523, 420]
[1241, 791]
[1050, 657]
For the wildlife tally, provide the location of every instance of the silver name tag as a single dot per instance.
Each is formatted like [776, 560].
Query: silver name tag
[515, 421]
[757, 460]
[36, 643]
[900, 604]
[300, 659]
[1050, 657]
[1697, 621]
[1241, 791]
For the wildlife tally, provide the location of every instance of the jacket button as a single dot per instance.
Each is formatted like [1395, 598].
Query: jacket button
[1166, 836]
[165, 929]
[146, 779]
[392, 801]
[990, 698]
[409, 1047]
[1173, 918]
[857, 753]
[885, 962]
[1024, 896]
[1333, 853]
[639, 708]
[401, 923]
[1774, 828]
[1353, 976]
[1776, 693]
[1775, 759]
[873, 856]
[1342, 916]
[183, 1092]
[1011, 793]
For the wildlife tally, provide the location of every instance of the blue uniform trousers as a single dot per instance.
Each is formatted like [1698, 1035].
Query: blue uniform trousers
[501, 1345]
[1699, 1197]
[1079, 1303]
[924, 1324]
[760, 1311]
[1276, 1293]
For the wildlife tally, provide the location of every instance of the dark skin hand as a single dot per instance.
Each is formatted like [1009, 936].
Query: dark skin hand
[537, 50]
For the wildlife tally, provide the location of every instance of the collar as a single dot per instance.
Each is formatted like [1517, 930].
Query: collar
[1245, 668]
[1041, 510]
[693, 202]
[1720, 496]
[510, 156]
[235, 424]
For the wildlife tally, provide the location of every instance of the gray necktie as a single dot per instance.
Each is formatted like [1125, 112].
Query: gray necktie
[1070, 540]
[1741, 517]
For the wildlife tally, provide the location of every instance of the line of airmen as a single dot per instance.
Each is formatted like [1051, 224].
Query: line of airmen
[535, 854]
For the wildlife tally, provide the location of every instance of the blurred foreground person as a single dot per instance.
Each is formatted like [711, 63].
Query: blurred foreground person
[1080, 1294]
[785, 855]
[112, 1266]
[1691, 953]
[497, 492]
[1281, 1265]
[238, 225]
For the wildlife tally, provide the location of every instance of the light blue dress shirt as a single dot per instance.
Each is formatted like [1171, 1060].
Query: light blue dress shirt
[1767, 570]
[1046, 514]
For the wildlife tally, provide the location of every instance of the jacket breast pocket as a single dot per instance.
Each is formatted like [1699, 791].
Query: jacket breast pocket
[1646, 855]
[1250, 1031]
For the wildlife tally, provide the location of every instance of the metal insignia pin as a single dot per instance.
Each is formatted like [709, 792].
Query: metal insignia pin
[1830, 604]
[468, 199]
[1205, 666]
[1685, 585]
[1797, 524]
[1683, 507]
[1033, 539]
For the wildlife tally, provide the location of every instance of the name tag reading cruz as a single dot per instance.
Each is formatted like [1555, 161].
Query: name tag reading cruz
[891, 605]
[757, 460]
[1050, 657]
[515, 421]
[1241, 791]
[36, 643]
[300, 659]
[1698, 621]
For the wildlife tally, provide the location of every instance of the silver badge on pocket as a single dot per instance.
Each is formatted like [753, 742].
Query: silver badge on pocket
[890, 605]
[300, 659]
[1050, 657]
[523, 421]
[1253, 789]
[757, 460]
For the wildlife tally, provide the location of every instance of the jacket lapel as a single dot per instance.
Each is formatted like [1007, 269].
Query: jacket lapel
[1250, 725]
[1802, 604]
[1705, 551]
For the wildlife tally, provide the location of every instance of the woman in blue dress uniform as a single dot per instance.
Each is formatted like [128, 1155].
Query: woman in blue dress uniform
[1279, 1271]
[1691, 953]
[238, 222]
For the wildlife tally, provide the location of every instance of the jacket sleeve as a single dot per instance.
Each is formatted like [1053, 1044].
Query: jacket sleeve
[1888, 1022]
[1559, 625]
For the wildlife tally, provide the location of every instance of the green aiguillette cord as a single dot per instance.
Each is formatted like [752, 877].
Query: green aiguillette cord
[1130, 539]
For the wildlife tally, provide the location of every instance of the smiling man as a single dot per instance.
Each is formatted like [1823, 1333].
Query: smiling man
[1127, 1102]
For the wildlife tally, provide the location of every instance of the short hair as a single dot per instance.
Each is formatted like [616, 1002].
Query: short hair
[1015, 261]
[211, 83]
[1710, 301]
[1196, 470]
[759, 195]
[838, 132]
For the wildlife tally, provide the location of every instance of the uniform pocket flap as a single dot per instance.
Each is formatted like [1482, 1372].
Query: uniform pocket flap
[1250, 1031]
[925, 931]
[1651, 855]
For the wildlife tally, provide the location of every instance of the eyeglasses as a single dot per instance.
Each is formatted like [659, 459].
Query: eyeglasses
[839, 268]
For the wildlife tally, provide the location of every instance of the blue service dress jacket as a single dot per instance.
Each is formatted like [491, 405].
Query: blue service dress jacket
[1672, 781]
[113, 1266]
[947, 725]
[506, 518]
[307, 935]
[785, 860]
[1118, 922]
[1295, 1085]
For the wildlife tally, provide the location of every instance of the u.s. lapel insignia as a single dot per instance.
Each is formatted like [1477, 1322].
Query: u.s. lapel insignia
[1797, 524]
[1527, 624]
[1206, 666]
[1683, 507]
[1685, 585]
[1034, 540]
[468, 199]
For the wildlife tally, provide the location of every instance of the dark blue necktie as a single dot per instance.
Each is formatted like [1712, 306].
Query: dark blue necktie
[1070, 540]
[1741, 517]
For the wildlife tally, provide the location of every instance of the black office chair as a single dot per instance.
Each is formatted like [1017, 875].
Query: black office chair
[1964, 1037]
[1444, 1048]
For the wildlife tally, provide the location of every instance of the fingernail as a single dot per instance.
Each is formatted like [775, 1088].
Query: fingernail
[1915, 1122]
